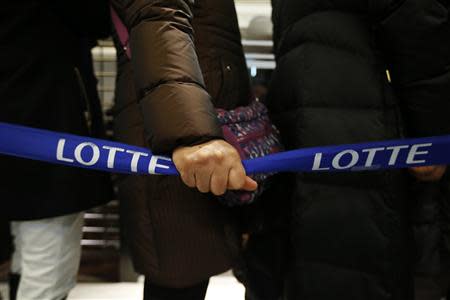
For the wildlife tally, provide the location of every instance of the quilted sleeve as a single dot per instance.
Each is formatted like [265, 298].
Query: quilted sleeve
[416, 40]
[176, 108]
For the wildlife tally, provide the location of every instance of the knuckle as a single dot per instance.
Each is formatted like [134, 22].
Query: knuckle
[202, 157]
[219, 155]
[230, 152]
[189, 160]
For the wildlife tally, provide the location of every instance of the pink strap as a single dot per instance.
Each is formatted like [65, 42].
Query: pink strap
[122, 32]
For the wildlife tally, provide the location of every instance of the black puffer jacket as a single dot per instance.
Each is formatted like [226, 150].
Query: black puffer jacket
[349, 233]
[187, 59]
[47, 81]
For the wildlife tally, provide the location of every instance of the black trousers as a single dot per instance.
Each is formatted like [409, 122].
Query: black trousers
[153, 292]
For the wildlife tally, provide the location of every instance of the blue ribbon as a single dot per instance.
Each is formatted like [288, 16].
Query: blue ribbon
[84, 152]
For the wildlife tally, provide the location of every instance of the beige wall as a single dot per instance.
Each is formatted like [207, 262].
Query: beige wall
[248, 9]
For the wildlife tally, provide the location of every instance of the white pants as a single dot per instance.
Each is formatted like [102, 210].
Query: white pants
[47, 256]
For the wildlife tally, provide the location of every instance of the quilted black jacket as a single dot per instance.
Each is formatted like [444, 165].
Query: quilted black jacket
[350, 235]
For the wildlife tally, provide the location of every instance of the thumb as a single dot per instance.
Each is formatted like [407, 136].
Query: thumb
[250, 185]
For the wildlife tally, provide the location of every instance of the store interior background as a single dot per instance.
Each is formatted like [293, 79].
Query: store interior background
[105, 270]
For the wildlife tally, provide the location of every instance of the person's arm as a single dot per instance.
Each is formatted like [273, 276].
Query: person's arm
[177, 110]
[415, 37]
[175, 106]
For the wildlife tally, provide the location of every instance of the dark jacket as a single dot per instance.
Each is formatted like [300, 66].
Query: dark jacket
[349, 234]
[186, 59]
[43, 75]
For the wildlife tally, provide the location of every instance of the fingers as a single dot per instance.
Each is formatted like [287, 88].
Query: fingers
[236, 179]
[212, 167]
[219, 182]
[424, 173]
[210, 173]
[428, 173]
[250, 185]
[188, 178]
[199, 164]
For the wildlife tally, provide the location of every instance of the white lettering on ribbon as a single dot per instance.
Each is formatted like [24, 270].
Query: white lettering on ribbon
[414, 151]
[135, 159]
[371, 156]
[154, 164]
[60, 151]
[317, 162]
[395, 152]
[95, 154]
[337, 159]
[112, 155]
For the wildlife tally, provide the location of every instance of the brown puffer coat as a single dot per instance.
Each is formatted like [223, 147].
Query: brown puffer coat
[187, 58]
